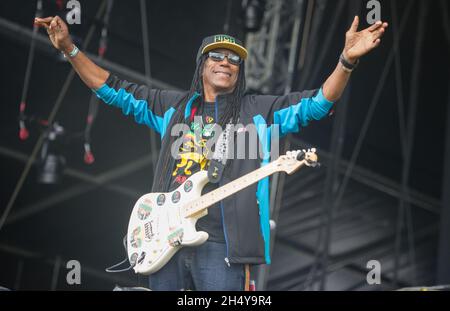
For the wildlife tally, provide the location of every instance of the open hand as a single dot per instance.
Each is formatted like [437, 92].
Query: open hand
[359, 43]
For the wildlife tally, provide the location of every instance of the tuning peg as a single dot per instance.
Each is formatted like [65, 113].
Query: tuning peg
[300, 155]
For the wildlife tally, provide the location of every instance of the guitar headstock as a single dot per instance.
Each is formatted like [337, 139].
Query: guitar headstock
[294, 159]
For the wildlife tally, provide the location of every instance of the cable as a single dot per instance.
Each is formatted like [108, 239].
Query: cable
[50, 119]
[148, 72]
[109, 269]
[23, 132]
[94, 101]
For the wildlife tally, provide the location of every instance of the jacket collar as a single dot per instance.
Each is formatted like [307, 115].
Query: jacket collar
[222, 98]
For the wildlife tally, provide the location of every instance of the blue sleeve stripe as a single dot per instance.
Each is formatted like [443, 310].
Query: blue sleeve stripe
[309, 108]
[263, 189]
[320, 98]
[167, 116]
[138, 107]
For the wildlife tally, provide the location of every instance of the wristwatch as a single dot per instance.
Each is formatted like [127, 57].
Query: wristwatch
[346, 65]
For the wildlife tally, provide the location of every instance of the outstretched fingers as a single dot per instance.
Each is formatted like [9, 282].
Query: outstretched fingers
[376, 43]
[375, 26]
[379, 32]
[354, 26]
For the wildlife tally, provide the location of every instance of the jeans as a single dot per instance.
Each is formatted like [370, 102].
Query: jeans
[201, 268]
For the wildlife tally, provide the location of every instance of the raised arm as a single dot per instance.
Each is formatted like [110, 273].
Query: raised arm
[357, 44]
[92, 75]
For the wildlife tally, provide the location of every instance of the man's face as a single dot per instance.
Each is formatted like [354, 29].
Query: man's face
[221, 76]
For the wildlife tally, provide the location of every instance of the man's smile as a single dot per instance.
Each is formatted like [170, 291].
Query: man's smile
[222, 73]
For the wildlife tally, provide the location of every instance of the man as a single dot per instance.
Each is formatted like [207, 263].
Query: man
[238, 227]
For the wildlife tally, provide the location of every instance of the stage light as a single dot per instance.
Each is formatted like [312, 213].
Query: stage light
[51, 164]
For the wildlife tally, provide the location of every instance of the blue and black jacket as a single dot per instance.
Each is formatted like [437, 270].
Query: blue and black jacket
[245, 214]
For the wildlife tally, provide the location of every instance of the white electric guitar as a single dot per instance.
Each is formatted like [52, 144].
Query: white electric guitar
[162, 223]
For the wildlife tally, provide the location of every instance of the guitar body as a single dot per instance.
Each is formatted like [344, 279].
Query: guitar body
[158, 227]
[161, 223]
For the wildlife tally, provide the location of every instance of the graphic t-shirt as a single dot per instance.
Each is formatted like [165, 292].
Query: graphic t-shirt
[193, 159]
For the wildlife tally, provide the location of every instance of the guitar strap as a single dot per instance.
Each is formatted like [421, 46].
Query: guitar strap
[220, 157]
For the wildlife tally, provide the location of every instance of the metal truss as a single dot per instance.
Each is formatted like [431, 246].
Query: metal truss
[405, 195]
[268, 57]
[23, 34]
[270, 68]
[273, 48]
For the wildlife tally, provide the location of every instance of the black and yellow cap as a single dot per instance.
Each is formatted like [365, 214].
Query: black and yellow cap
[222, 42]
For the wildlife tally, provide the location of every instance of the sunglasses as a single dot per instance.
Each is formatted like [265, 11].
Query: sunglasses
[219, 56]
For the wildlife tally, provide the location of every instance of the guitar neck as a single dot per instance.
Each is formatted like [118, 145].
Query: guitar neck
[200, 204]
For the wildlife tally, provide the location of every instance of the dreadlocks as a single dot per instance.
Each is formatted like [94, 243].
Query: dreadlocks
[230, 114]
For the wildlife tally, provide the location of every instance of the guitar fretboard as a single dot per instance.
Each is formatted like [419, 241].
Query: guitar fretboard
[225, 191]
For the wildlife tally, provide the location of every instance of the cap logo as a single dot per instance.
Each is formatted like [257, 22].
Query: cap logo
[224, 38]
